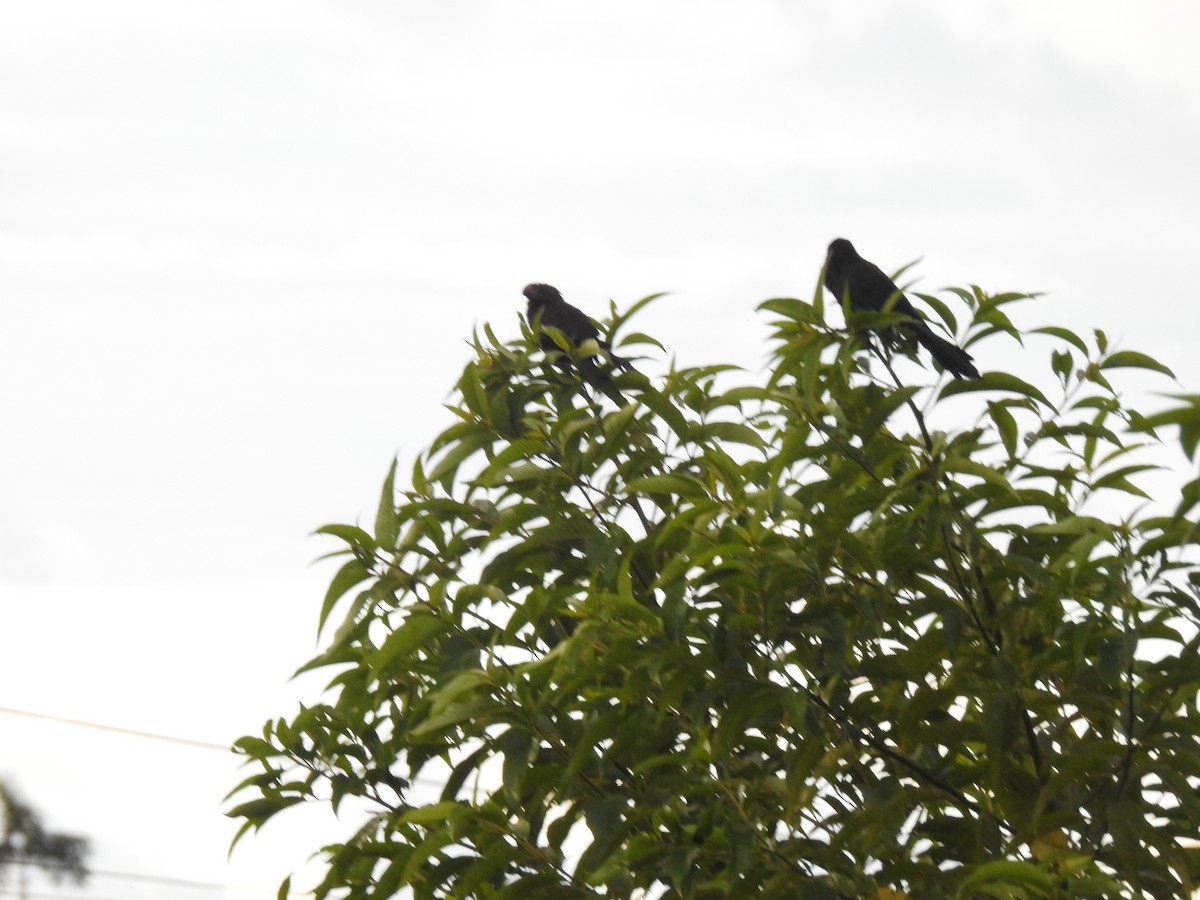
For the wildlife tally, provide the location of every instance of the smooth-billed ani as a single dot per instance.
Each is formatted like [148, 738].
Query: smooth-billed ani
[848, 274]
[546, 301]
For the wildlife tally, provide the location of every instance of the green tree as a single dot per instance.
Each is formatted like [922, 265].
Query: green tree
[823, 634]
[24, 841]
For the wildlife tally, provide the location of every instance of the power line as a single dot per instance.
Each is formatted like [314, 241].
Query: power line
[38, 895]
[150, 735]
[191, 742]
[136, 876]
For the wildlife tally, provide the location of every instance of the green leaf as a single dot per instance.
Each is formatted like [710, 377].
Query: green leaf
[636, 337]
[456, 455]
[432, 813]
[463, 770]
[1006, 425]
[387, 526]
[797, 310]
[1073, 525]
[676, 485]
[1002, 873]
[254, 747]
[970, 467]
[352, 573]
[1063, 335]
[943, 311]
[1062, 363]
[453, 714]
[351, 534]
[1129, 359]
[993, 381]
[619, 319]
[460, 684]
[1119, 480]
[413, 633]
[259, 810]
[734, 432]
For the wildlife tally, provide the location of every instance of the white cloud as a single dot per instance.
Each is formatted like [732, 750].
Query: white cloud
[58, 21]
[120, 251]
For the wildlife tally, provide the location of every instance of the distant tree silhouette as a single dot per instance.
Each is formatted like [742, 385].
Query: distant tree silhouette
[24, 841]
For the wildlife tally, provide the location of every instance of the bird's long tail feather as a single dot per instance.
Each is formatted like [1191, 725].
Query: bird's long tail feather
[953, 358]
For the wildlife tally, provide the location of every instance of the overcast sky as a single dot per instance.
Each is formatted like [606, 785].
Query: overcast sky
[243, 245]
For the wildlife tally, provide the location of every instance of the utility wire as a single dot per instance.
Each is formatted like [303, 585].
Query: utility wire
[38, 895]
[208, 745]
[150, 735]
[135, 876]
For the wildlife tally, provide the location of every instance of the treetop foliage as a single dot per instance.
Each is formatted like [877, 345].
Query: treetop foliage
[771, 635]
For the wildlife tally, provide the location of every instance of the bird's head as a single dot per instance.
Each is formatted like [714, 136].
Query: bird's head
[539, 295]
[840, 247]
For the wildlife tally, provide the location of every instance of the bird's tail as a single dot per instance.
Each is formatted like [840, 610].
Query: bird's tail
[602, 381]
[618, 361]
[954, 359]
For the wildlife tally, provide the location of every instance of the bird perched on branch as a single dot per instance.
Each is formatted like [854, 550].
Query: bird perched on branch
[546, 301]
[848, 274]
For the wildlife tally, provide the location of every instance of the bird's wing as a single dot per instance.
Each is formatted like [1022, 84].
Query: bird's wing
[575, 324]
[871, 289]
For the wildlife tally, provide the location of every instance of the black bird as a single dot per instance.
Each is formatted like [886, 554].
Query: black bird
[556, 312]
[848, 274]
